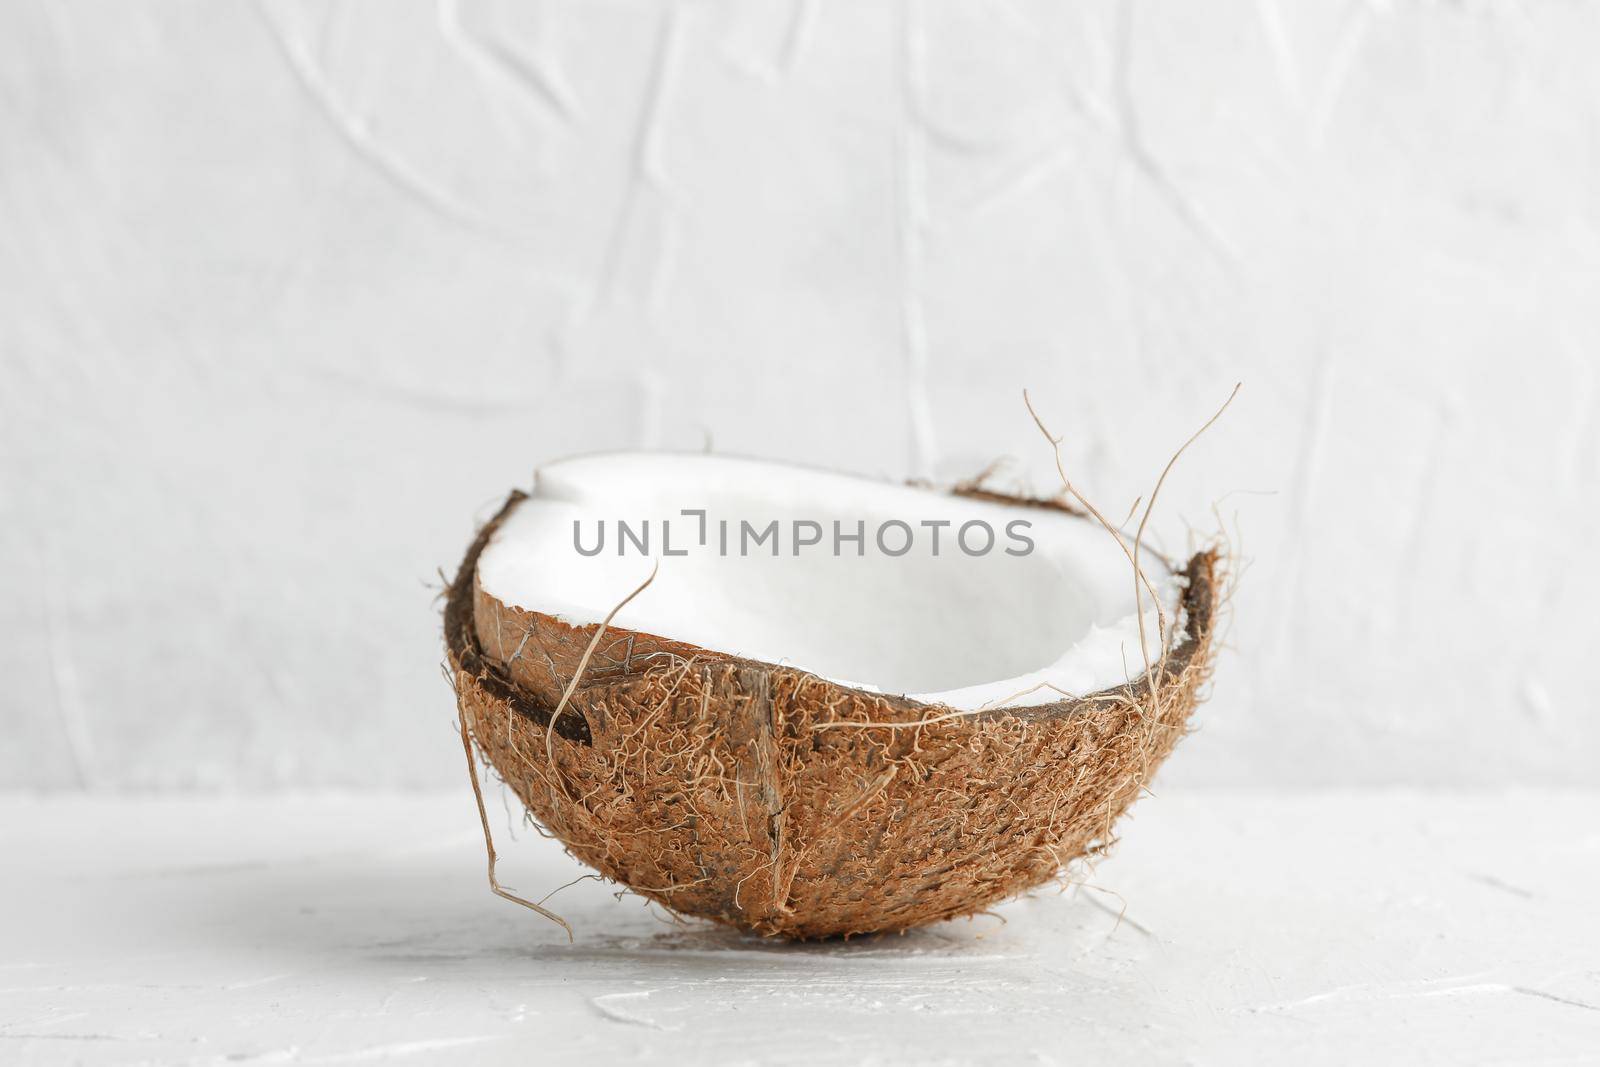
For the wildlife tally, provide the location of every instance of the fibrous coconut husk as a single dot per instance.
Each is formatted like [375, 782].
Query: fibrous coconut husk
[776, 801]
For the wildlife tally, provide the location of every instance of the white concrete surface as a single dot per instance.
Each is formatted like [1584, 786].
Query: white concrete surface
[291, 290]
[1256, 927]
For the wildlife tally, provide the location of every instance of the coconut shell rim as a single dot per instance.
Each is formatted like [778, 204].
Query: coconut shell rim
[1199, 602]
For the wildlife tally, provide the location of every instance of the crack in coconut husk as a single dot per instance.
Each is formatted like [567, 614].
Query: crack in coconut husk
[725, 788]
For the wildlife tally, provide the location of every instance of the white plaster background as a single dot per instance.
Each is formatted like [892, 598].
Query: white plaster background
[291, 292]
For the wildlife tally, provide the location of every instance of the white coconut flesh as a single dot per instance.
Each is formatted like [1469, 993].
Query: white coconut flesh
[943, 624]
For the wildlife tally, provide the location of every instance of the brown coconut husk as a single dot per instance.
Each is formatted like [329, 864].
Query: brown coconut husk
[776, 801]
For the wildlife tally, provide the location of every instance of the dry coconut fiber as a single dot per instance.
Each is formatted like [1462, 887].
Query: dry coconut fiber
[781, 802]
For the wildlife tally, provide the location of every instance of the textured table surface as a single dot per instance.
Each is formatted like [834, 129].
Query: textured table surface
[1227, 927]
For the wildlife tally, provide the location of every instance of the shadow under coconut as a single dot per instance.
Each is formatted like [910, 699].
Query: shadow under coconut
[957, 939]
[429, 911]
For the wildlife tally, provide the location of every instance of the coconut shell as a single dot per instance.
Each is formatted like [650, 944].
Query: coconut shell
[773, 800]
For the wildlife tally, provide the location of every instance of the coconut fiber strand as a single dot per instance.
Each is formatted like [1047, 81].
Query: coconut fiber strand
[773, 800]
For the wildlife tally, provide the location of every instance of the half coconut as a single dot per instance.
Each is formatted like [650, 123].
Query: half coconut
[835, 705]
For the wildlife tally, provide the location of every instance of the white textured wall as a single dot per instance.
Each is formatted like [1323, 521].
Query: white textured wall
[289, 293]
